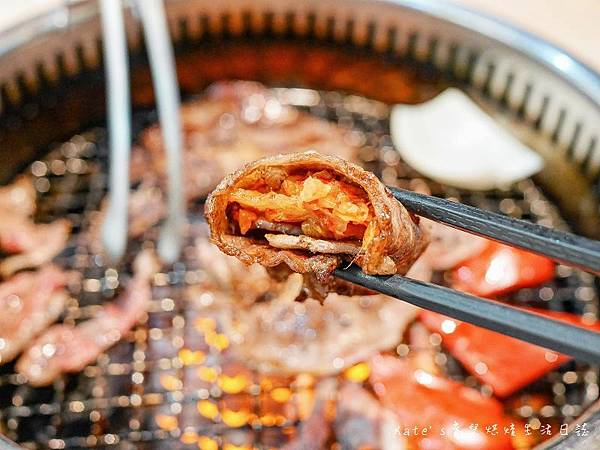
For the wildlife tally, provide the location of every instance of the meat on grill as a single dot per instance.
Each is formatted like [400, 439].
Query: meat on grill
[278, 327]
[32, 244]
[18, 198]
[448, 246]
[236, 123]
[342, 210]
[30, 302]
[230, 276]
[247, 284]
[66, 348]
[285, 336]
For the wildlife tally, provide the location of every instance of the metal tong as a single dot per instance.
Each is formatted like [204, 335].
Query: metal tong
[162, 64]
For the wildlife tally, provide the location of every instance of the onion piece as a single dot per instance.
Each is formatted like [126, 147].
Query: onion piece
[452, 140]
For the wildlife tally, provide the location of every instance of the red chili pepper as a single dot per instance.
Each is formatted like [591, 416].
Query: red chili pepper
[504, 363]
[499, 269]
[455, 416]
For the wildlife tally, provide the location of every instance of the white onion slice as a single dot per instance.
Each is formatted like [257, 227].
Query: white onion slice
[451, 140]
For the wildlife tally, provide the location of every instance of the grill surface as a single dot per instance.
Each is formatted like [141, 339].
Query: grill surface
[151, 390]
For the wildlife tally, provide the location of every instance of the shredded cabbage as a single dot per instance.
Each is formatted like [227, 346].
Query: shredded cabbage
[323, 206]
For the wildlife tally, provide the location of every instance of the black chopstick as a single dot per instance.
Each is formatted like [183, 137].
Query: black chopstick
[582, 344]
[567, 248]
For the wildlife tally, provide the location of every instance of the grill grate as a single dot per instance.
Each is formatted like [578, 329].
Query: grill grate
[171, 381]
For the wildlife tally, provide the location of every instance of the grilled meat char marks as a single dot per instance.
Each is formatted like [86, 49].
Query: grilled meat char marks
[29, 244]
[341, 209]
[285, 335]
[66, 348]
[30, 302]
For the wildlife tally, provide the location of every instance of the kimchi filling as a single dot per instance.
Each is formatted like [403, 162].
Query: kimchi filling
[321, 205]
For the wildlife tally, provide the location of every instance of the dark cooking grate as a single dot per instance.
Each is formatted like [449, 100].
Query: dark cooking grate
[153, 391]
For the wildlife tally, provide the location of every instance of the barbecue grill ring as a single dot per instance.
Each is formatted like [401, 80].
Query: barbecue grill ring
[556, 98]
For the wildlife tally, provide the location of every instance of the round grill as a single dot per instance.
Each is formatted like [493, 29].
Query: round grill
[151, 390]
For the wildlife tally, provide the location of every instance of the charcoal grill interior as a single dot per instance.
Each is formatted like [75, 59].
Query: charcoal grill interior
[170, 382]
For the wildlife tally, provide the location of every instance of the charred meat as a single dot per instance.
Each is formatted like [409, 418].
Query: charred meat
[285, 335]
[30, 302]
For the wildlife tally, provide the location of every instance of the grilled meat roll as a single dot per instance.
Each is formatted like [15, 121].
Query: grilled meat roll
[309, 211]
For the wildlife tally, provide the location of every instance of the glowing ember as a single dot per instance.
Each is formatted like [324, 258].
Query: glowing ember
[207, 409]
[189, 357]
[233, 385]
[229, 446]
[281, 394]
[271, 420]
[205, 324]
[235, 419]
[170, 382]
[206, 443]
[216, 340]
[189, 437]
[166, 422]
[358, 373]
[207, 374]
